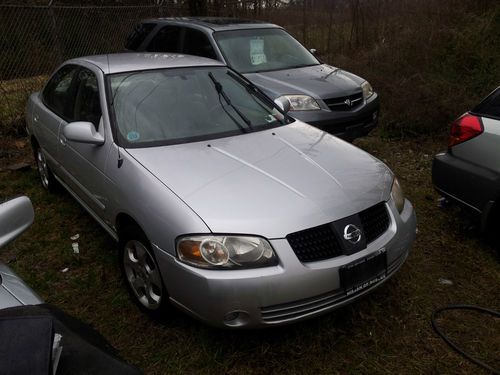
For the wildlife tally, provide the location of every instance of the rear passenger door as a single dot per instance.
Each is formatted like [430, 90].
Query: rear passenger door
[55, 107]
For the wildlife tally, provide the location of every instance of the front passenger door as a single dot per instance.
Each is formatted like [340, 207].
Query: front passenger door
[85, 164]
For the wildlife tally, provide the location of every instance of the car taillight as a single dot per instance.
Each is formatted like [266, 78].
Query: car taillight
[464, 128]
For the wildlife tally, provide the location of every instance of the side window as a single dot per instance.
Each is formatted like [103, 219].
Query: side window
[166, 40]
[87, 105]
[59, 93]
[141, 31]
[196, 43]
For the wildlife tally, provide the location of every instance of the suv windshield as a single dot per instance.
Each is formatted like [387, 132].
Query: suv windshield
[258, 50]
[169, 106]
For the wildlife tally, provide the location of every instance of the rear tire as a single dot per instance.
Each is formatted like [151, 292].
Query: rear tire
[141, 272]
[47, 178]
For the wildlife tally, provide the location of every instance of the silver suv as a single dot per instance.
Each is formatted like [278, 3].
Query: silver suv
[324, 96]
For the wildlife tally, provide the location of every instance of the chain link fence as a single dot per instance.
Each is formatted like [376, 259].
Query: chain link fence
[35, 39]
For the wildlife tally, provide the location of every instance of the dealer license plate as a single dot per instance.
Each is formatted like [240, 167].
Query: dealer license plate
[362, 273]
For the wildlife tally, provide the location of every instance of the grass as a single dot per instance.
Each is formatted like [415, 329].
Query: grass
[387, 332]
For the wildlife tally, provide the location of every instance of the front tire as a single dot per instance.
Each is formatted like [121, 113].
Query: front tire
[141, 271]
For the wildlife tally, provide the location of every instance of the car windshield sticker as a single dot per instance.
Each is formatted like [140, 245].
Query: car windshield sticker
[257, 55]
[133, 136]
[270, 118]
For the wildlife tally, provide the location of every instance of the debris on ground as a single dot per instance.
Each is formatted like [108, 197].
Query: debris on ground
[444, 281]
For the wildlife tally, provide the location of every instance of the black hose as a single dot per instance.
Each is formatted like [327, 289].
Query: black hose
[452, 344]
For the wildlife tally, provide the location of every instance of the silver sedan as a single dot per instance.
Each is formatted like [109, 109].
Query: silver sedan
[220, 202]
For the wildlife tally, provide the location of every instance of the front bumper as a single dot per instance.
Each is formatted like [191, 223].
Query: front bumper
[347, 125]
[286, 293]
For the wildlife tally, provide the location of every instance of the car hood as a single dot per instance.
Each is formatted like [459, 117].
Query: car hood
[270, 183]
[319, 81]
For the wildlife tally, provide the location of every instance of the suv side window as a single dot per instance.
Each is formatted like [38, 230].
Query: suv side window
[196, 43]
[141, 31]
[166, 40]
[87, 103]
[59, 94]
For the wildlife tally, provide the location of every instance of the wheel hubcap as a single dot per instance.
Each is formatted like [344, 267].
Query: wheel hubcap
[142, 274]
[42, 168]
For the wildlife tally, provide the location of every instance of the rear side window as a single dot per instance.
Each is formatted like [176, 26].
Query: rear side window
[87, 105]
[489, 107]
[135, 39]
[166, 40]
[196, 43]
[59, 94]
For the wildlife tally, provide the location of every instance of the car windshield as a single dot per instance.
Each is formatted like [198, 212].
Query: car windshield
[169, 106]
[259, 50]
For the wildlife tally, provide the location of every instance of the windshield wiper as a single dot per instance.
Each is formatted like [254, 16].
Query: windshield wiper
[255, 92]
[220, 91]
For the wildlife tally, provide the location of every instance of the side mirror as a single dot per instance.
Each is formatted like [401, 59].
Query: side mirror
[283, 103]
[16, 216]
[314, 51]
[83, 132]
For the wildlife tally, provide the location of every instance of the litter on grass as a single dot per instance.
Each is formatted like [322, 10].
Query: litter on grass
[444, 281]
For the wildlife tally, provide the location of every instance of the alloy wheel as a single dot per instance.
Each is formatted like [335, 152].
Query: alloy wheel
[43, 169]
[142, 274]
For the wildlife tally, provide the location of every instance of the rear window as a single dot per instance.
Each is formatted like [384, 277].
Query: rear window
[141, 31]
[489, 107]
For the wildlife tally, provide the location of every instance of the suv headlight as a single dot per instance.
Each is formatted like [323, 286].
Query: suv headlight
[301, 103]
[226, 252]
[367, 90]
[398, 195]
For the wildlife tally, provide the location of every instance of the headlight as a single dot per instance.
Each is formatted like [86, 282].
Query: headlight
[398, 195]
[223, 252]
[301, 103]
[367, 90]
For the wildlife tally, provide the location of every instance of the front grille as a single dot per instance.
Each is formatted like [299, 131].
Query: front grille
[314, 244]
[321, 242]
[344, 103]
[375, 221]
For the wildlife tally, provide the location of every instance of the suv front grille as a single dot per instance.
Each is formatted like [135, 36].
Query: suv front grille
[321, 242]
[344, 103]
[314, 244]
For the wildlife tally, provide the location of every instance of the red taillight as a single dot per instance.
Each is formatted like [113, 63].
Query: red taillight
[464, 128]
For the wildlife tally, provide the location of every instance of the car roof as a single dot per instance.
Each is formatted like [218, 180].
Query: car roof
[133, 61]
[214, 23]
